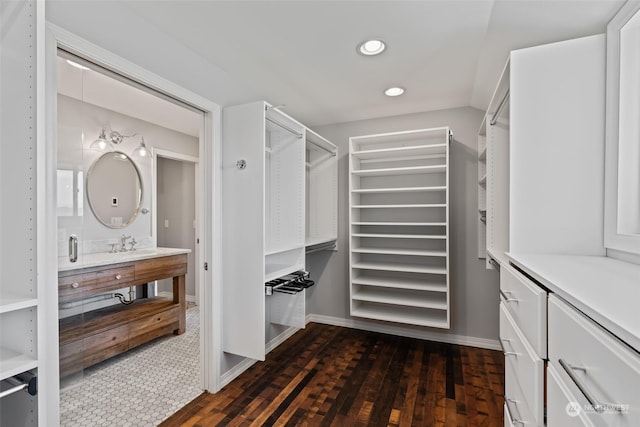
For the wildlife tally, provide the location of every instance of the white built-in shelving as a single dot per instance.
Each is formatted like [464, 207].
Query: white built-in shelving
[399, 227]
[493, 176]
[264, 212]
[279, 199]
[20, 297]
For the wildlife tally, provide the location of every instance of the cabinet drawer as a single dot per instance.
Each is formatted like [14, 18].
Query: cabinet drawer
[81, 285]
[562, 409]
[604, 367]
[73, 287]
[527, 367]
[154, 326]
[104, 345]
[516, 411]
[111, 279]
[527, 304]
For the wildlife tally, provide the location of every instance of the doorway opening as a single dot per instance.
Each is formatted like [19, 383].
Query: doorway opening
[106, 372]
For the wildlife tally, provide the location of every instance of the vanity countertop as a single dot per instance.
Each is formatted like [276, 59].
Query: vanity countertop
[605, 289]
[107, 258]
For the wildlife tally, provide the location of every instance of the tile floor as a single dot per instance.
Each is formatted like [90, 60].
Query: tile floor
[139, 388]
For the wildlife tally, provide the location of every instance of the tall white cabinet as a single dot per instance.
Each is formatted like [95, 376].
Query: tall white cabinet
[399, 227]
[544, 133]
[279, 197]
[20, 296]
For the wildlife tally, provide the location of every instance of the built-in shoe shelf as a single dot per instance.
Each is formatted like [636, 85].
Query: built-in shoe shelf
[399, 227]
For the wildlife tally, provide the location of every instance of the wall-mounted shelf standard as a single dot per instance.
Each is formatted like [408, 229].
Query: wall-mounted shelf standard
[399, 227]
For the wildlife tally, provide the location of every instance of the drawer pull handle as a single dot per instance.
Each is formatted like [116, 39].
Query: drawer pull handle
[593, 401]
[74, 285]
[505, 352]
[510, 414]
[118, 276]
[506, 298]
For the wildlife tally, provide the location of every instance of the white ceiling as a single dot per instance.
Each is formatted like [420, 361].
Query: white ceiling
[446, 53]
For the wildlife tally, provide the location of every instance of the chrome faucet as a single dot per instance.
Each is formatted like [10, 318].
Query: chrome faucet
[133, 242]
[123, 243]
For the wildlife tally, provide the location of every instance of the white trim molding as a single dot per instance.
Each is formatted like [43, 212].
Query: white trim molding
[404, 332]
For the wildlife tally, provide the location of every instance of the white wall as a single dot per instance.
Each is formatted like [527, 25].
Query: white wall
[79, 124]
[176, 191]
[474, 289]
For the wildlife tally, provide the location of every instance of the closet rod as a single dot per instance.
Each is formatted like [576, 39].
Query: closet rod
[333, 153]
[325, 247]
[285, 127]
[494, 118]
[25, 381]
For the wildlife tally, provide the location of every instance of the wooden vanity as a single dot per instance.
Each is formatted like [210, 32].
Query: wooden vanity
[94, 336]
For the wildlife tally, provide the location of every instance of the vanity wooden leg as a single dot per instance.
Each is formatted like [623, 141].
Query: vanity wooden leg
[179, 298]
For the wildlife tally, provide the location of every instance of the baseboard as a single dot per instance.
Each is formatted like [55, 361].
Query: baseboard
[246, 363]
[235, 372]
[188, 298]
[398, 330]
[282, 337]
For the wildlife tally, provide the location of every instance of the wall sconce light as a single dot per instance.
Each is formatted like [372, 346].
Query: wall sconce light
[141, 150]
[102, 143]
[106, 144]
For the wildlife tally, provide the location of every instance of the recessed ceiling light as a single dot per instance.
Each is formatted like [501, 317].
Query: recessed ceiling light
[394, 91]
[371, 47]
[76, 65]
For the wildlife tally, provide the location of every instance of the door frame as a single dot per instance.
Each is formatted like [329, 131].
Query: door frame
[172, 155]
[210, 196]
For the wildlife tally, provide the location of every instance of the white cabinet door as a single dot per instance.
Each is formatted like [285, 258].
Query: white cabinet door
[243, 234]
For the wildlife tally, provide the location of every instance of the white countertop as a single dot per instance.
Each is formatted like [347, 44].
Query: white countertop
[605, 289]
[106, 258]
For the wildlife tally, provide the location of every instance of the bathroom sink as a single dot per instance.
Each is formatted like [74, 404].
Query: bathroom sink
[105, 258]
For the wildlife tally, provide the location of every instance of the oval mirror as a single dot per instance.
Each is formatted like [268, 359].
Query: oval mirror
[114, 189]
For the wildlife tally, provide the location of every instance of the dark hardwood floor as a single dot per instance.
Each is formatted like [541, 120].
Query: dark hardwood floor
[333, 376]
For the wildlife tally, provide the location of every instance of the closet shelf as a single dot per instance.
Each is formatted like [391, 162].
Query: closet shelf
[275, 251]
[409, 298]
[397, 190]
[401, 283]
[425, 205]
[389, 153]
[13, 363]
[411, 224]
[273, 271]
[401, 171]
[397, 251]
[12, 302]
[407, 268]
[401, 236]
[414, 316]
